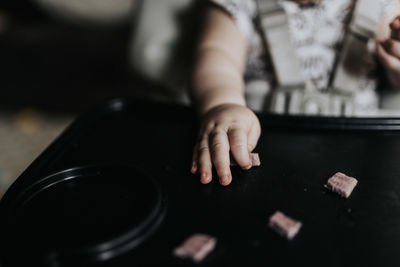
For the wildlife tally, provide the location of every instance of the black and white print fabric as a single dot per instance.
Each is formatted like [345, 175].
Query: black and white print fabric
[316, 31]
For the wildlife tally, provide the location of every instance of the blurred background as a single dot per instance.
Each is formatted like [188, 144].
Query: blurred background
[58, 58]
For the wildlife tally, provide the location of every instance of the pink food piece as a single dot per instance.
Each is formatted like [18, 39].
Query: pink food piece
[255, 160]
[196, 247]
[284, 225]
[342, 184]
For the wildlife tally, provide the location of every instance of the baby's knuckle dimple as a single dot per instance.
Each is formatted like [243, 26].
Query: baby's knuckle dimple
[216, 146]
[217, 130]
[236, 126]
[238, 147]
[203, 149]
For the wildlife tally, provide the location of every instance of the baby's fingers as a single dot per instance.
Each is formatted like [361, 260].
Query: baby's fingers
[204, 165]
[239, 147]
[219, 146]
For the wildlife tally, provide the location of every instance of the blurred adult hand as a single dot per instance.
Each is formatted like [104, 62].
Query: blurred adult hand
[388, 52]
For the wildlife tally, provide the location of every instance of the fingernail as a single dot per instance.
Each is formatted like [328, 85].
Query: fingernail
[204, 178]
[248, 167]
[225, 180]
[194, 168]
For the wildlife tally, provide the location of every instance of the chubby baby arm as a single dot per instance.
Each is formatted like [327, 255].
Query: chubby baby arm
[227, 125]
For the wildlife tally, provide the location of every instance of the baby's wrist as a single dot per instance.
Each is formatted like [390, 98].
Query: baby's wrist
[205, 109]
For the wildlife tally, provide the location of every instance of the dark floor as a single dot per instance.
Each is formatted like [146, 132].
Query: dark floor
[24, 134]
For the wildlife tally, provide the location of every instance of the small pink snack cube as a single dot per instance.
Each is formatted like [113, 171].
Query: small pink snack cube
[342, 184]
[255, 160]
[196, 247]
[284, 225]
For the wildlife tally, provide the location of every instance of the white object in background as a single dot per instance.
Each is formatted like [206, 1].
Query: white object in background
[100, 12]
[154, 50]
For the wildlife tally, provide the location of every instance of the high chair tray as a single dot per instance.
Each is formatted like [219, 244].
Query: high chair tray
[115, 190]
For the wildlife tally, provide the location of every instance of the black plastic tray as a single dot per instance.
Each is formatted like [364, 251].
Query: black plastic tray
[127, 162]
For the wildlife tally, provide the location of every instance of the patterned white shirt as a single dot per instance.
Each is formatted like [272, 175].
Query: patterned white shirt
[316, 33]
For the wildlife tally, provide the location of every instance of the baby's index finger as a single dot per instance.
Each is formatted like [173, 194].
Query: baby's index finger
[219, 146]
[204, 165]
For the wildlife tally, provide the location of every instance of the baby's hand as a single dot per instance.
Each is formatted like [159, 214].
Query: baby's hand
[225, 128]
[389, 52]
